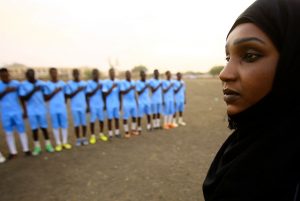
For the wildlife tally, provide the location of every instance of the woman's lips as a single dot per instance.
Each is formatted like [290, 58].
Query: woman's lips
[230, 95]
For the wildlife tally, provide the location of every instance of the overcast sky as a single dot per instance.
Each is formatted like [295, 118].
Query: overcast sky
[167, 34]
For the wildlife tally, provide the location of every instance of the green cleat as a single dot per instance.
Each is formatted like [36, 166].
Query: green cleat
[49, 148]
[36, 151]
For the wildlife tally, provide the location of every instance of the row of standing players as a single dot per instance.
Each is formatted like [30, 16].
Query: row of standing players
[103, 99]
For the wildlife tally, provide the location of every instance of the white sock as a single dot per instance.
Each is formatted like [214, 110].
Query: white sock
[174, 120]
[64, 135]
[180, 119]
[158, 122]
[93, 135]
[133, 126]
[170, 119]
[126, 129]
[139, 128]
[47, 142]
[56, 136]
[117, 131]
[37, 144]
[154, 123]
[24, 141]
[10, 139]
[166, 119]
[101, 134]
[110, 133]
[148, 126]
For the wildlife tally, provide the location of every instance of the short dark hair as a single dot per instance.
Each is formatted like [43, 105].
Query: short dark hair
[52, 68]
[2, 70]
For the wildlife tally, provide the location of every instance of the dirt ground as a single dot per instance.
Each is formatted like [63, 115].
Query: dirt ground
[156, 166]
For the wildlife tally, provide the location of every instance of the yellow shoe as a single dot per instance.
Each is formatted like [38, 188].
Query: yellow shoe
[67, 146]
[58, 148]
[93, 140]
[103, 137]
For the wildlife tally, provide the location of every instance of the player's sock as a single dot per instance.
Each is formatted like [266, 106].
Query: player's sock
[148, 126]
[24, 141]
[174, 120]
[64, 135]
[166, 120]
[170, 119]
[133, 126]
[37, 144]
[56, 136]
[139, 128]
[110, 133]
[158, 122]
[117, 132]
[10, 139]
[47, 142]
[126, 129]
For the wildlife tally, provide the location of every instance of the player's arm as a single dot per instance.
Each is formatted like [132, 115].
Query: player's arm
[87, 103]
[6, 91]
[103, 99]
[76, 92]
[92, 93]
[155, 89]
[168, 88]
[142, 90]
[24, 107]
[127, 90]
[178, 89]
[51, 95]
[121, 100]
[30, 94]
[111, 89]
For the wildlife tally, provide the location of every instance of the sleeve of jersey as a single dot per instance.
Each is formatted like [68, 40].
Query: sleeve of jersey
[22, 91]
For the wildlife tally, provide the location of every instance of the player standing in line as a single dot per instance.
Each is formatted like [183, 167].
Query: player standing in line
[129, 104]
[111, 89]
[76, 92]
[142, 88]
[169, 104]
[96, 105]
[11, 114]
[55, 94]
[180, 99]
[31, 91]
[156, 99]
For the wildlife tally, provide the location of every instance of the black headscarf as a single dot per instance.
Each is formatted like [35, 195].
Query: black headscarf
[260, 160]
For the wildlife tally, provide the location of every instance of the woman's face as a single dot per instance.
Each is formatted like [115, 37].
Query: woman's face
[249, 73]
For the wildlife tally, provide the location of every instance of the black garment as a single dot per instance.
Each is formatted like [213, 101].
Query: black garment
[261, 159]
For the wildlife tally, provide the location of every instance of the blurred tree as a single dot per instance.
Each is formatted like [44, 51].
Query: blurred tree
[138, 68]
[216, 70]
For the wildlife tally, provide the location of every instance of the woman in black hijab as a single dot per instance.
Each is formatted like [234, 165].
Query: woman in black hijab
[260, 159]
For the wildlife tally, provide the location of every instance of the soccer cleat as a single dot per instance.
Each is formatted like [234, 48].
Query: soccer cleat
[36, 151]
[171, 126]
[127, 135]
[175, 125]
[135, 133]
[58, 148]
[118, 135]
[2, 158]
[84, 141]
[92, 139]
[103, 137]
[166, 127]
[67, 146]
[49, 148]
[12, 156]
[27, 153]
[182, 123]
[78, 142]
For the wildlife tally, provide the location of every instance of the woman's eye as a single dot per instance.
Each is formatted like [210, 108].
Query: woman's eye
[251, 57]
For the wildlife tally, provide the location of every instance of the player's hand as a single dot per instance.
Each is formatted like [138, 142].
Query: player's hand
[37, 88]
[10, 89]
[172, 83]
[80, 88]
[58, 89]
[99, 86]
[115, 85]
[132, 87]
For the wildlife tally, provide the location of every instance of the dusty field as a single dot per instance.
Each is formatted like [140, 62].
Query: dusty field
[161, 165]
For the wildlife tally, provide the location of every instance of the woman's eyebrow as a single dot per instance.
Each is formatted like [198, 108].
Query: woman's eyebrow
[244, 40]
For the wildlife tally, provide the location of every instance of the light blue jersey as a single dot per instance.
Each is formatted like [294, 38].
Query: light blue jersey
[10, 104]
[156, 97]
[11, 113]
[129, 98]
[169, 96]
[78, 102]
[112, 100]
[95, 101]
[57, 103]
[36, 104]
[144, 97]
[180, 95]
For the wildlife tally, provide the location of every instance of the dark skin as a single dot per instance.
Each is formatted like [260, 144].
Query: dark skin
[53, 77]
[112, 77]
[95, 77]
[168, 76]
[179, 77]
[76, 78]
[143, 79]
[6, 79]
